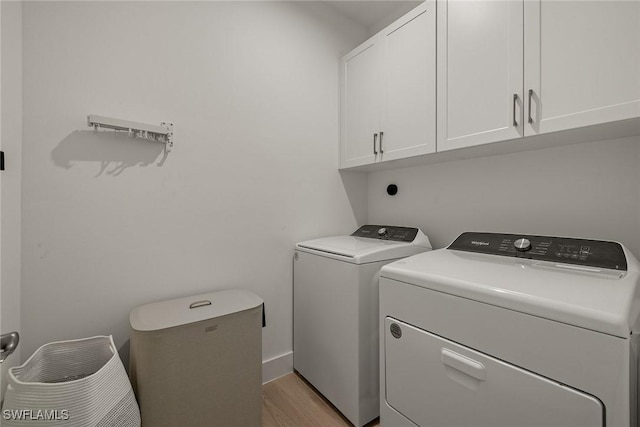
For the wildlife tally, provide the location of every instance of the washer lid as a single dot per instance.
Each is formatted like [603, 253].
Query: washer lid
[182, 311]
[602, 300]
[359, 250]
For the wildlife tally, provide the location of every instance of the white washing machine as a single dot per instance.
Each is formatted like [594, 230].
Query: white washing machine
[511, 330]
[335, 313]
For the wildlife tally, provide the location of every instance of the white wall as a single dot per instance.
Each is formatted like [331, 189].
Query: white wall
[108, 224]
[11, 138]
[587, 190]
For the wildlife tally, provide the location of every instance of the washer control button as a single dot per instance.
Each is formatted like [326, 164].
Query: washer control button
[522, 245]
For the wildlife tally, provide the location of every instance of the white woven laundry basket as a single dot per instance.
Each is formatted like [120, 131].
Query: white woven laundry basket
[77, 383]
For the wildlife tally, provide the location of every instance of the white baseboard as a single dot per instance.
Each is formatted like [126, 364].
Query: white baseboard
[277, 366]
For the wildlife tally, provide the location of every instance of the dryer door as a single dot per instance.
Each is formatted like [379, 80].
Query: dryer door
[433, 381]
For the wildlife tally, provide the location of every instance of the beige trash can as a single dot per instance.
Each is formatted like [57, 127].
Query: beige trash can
[197, 361]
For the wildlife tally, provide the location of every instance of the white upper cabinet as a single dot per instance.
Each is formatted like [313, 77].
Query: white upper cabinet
[388, 92]
[505, 70]
[408, 120]
[480, 69]
[360, 112]
[508, 69]
[582, 63]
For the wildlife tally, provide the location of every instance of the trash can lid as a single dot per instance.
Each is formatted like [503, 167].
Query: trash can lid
[182, 311]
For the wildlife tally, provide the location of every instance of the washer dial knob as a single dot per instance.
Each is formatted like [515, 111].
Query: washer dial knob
[382, 232]
[522, 245]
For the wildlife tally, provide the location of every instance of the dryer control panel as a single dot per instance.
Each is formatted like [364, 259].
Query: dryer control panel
[387, 232]
[592, 253]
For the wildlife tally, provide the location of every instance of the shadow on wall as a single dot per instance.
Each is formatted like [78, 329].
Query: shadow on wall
[108, 148]
[355, 185]
[124, 352]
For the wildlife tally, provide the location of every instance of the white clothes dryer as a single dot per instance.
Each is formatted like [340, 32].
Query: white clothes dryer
[513, 331]
[335, 313]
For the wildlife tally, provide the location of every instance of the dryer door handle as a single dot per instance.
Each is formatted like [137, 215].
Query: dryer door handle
[463, 364]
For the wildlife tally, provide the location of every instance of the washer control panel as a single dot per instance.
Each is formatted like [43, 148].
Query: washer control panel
[387, 232]
[592, 253]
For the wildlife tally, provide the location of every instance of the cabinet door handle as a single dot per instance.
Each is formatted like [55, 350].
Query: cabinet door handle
[530, 96]
[515, 101]
[380, 145]
[375, 138]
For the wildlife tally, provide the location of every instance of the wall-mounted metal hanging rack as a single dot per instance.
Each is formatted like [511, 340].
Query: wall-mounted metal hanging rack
[162, 133]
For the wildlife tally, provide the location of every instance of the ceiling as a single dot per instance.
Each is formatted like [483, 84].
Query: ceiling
[374, 15]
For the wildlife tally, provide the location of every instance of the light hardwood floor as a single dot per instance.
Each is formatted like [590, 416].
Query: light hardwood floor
[290, 401]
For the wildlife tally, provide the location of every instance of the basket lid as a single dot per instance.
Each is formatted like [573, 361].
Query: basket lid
[182, 311]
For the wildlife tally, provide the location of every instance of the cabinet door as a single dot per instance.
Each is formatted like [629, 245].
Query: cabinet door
[480, 72]
[360, 105]
[582, 63]
[408, 53]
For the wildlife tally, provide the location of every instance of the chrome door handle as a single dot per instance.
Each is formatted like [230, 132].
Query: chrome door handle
[530, 96]
[515, 101]
[375, 138]
[380, 145]
[8, 344]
